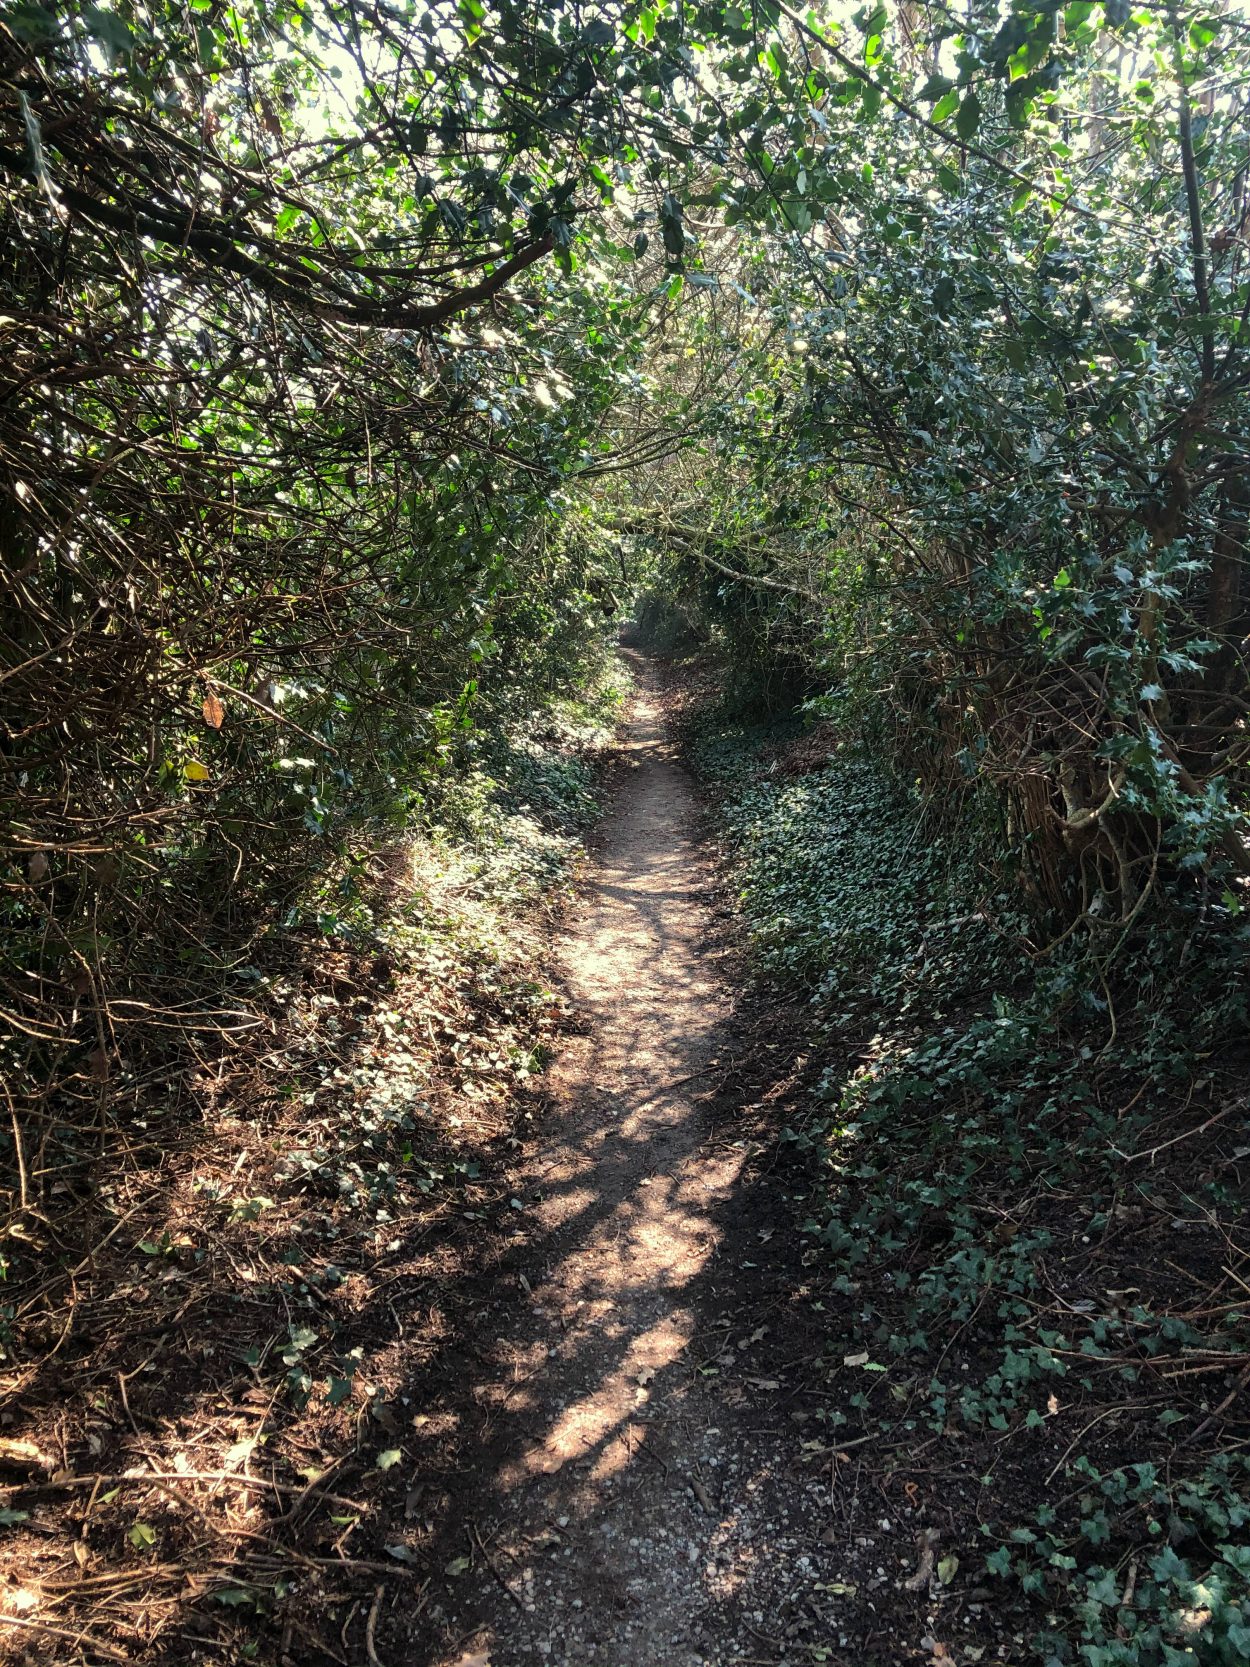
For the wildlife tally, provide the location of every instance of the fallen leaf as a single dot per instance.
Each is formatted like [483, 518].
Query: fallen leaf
[924, 1569]
[458, 1565]
[389, 1458]
[948, 1568]
[855, 1360]
[402, 1553]
[239, 1453]
[214, 712]
[37, 867]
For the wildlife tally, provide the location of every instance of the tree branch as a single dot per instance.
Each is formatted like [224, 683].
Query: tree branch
[218, 248]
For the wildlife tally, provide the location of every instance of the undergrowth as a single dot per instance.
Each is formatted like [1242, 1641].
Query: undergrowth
[217, 1302]
[1027, 1218]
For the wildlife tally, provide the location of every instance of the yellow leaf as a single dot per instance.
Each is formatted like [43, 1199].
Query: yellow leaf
[195, 771]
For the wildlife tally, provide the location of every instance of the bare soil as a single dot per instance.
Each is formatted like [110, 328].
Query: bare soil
[630, 1469]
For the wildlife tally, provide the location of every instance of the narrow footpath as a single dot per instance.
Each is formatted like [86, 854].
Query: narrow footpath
[620, 1498]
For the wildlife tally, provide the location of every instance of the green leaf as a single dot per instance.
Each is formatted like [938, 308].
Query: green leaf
[31, 22]
[968, 117]
[113, 33]
[935, 88]
[946, 105]
[389, 1459]
[142, 1536]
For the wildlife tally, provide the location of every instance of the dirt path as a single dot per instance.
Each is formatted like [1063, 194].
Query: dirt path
[611, 1503]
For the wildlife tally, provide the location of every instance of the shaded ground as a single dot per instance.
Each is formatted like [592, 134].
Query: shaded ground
[602, 1495]
[623, 1458]
[572, 1406]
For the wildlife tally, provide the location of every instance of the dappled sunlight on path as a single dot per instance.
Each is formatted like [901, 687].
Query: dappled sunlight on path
[627, 1199]
[605, 1502]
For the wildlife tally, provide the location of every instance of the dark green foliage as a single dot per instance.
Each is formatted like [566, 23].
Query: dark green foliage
[1024, 1283]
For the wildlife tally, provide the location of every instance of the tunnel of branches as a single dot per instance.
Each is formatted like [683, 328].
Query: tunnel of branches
[361, 362]
[366, 365]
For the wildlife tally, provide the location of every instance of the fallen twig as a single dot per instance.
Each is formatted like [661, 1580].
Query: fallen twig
[79, 1639]
[495, 1569]
[371, 1627]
